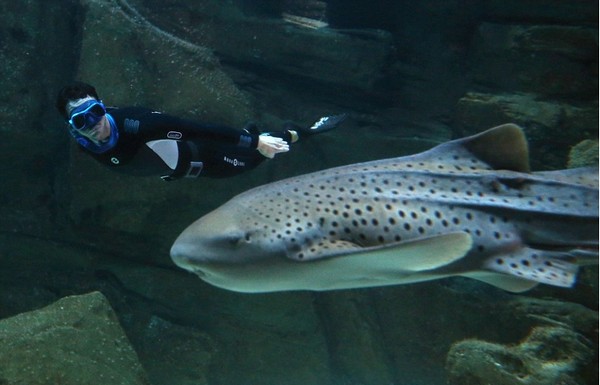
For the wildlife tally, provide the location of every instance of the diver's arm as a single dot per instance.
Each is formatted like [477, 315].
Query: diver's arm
[173, 127]
[268, 146]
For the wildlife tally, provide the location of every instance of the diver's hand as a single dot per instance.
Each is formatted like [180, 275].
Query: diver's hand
[269, 146]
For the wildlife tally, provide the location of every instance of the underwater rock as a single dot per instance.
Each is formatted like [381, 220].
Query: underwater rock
[559, 347]
[539, 117]
[32, 62]
[548, 356]
[133, 62]
[550, 60]
[305, 13]
[357, 351]
[584, 153]
[179, 355]
[544, 11]
[276, 49]
[77, 340]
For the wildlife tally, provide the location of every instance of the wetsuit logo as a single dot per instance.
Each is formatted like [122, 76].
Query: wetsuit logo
[132, 126]
[174, 135]
[115, 160]
[234, 162]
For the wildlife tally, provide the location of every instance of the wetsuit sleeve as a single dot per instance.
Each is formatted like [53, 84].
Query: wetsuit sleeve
[163, 125]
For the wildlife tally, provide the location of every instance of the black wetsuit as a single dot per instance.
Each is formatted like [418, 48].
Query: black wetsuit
[201, 149]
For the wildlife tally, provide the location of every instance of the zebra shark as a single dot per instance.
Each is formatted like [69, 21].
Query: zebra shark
[469, 207]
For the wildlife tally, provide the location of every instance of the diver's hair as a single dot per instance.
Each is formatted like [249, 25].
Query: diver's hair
[73, 91]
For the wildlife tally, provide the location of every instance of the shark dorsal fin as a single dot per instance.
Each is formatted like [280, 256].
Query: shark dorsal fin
[503, 147]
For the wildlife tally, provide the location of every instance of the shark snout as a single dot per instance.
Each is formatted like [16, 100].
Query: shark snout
[184, 254]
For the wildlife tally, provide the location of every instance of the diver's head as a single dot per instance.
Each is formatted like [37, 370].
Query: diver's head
[86, 116]
[73, 92]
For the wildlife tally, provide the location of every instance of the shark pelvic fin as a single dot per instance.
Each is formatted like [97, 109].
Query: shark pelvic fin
[549, 267]
[502, 281]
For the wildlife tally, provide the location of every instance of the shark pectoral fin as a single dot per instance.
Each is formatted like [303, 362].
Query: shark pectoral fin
[427, 253]
[412, 256]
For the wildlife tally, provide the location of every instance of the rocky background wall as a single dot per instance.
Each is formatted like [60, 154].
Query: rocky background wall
[410, 74]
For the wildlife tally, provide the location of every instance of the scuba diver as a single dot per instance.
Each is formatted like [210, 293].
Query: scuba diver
[141, 141]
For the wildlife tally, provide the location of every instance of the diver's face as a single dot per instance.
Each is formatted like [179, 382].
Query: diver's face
[88, 118]
[100, 131]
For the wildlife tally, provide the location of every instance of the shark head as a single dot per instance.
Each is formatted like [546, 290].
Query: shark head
[221, 237]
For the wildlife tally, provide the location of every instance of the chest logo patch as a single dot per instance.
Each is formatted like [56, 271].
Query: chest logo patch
[174, 135]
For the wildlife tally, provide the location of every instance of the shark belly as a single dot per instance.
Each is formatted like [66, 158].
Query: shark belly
[366, 268]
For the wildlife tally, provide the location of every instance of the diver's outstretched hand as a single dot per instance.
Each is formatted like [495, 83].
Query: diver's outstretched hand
[326, 123]
[269, 146]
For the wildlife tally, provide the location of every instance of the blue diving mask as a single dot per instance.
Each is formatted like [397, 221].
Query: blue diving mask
[85, 116]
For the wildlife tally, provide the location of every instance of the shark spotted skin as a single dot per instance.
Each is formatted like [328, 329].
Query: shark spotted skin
[469, 207]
